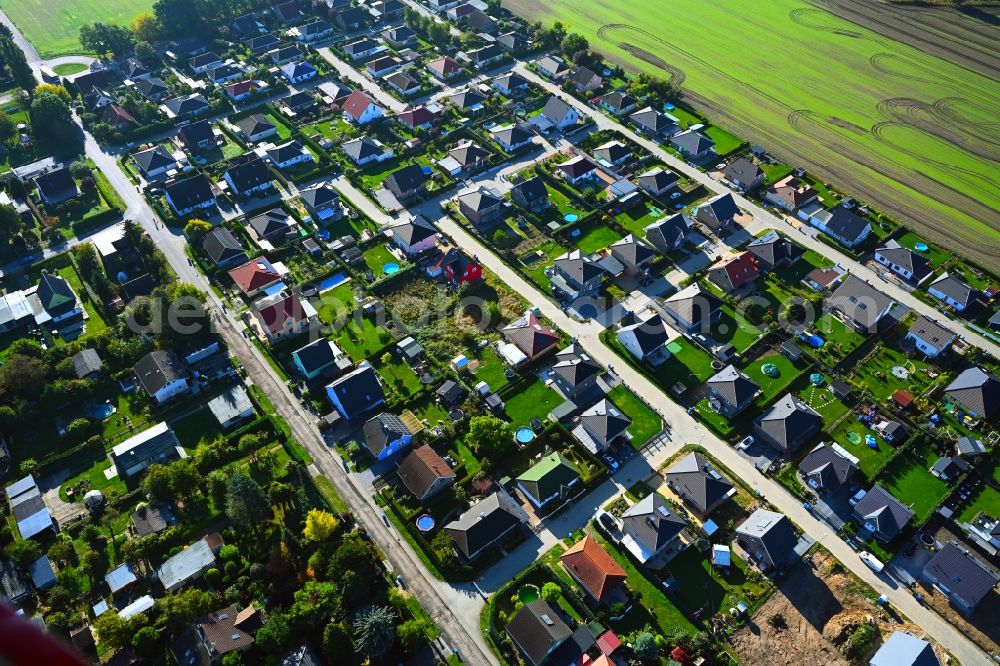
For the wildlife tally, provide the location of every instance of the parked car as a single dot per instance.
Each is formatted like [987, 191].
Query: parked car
[873, 562]
[612, 463]
[608, 521]
[745, 443]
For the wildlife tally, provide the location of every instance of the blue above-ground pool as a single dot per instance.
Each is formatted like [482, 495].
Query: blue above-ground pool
[920, 247]
[524, 435]
[571, 217]
[390, 268]
[812, 340]
[427, 170]
[104, 411]
[329, 283]
[870, 442]
[323, 234]
[668, 107]
[425, 522]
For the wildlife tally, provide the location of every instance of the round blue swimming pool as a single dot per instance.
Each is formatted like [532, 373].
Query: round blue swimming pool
[921, 247]
[425, 522]
[571, 217]
[390, 268]
[524, 435]
[323, 234]
[104, 411]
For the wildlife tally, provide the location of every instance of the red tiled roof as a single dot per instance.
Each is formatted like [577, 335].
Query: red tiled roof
[254, 275]
[274, 316]
[445, 66]
[741, 269]
[608, 642]
[356, 103]
[418, 116]
[241, 88]
[902, 398]
[116, 115]
[593, 567]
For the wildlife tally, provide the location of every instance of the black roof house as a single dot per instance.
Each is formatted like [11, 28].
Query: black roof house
[977, 391]
[698, 483]
[825, 469]
[223, 248]
[882, 513]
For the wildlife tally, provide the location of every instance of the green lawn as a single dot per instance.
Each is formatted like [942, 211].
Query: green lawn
[337, 303]
[645, 422]
[68, 69]
[771, 388]
[856, 120]
[985, 500]
[823, 401]
[533, 402]
[840, 340]
[652, 607]
[284, 132]
[94, 476]
[490, 369]
[687, 364]
[53, 26]
[535, 265]
[700, 586]
[876, 374]
[714, 419]
[637, 218]
[908, 478]
[594, 236]
[198, 427]
[359, 338]
[377, 257]
[733, 328]
[725, 142]
[792, 275]
[400, 376]
[934, 254]
[870, 461]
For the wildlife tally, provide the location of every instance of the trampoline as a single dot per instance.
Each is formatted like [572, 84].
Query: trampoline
[854, 438]
[571, 217]
[771, 370]
[524, 435]
[816, 379]
[390, 268]
[425, 522]
[920, 247]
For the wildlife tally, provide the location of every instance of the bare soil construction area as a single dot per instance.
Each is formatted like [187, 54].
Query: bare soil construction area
[811, 617]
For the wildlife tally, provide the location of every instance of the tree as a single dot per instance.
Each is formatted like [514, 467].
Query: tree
[375, 631]
[144, 28]
[275, 634]
[216, 482]
[185, 480]
[157, 482]
[58, 91]
[181, 608]
[645, 646]
[62, 552]
[106, 39]
[112, 630]
[28, 466]
[246, 503]
[337, 645]
[144, 641]
[320, 525]
[12, 55]
[145, 52]
[489, 436]
[10, 221]
[23, 377]
[412, 635]
[551, 592]
[51, 122]
[79, 170]
[176, 17]
[8, 128]
[197, 228]
[24, 552]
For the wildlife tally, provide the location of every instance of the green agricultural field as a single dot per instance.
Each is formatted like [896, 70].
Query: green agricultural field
[887, 121]
[53, 26]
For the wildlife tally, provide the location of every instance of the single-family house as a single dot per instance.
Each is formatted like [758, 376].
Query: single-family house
[418, 117]
[284, 54]
[203, 62]
[231, 407]
[768, 538]
[788, 424]
[514, 42]
[859, 305]
[744, 173]
[162, 375]
[773, 250]
[158, 444]
[87, 363]
[930, 337]
[482, 207]
[613, 152]
[790, 193]
[403, 83]
[241, 90]
[698, 484]
[647, 338]
[719, 213]
[281, 316]
[602, 425]
[511, 84]
[693, 309]
[255, 276]
[584, 80]
[465, 158]
[669, 233]
[730, 391]
[31, 516]
[529, 335]
[407, 182]
[881, 514]
[249, 177]
[400, 37]
[387, 434]
[654, 124]
[951, 290]
[154, 89]
[383, 65]
[827, 468]
[734, 272]
[601, 577]
[469, 100]
[551, 478]
[842, 225]
[361, 109]
[618, 103]
[513, 137]
[154, 163]
[211, 637]
[651, 529]
[274, 227]
[187, 566]
[197, 136]
[694, 145]
[482, 58]
[485, 524]
[531, 194]
[576, 275]
[186, 106]
[256, 127]
[416, 236]
[538, 630]
[56, 186]
[312, 31]
[558, 114]
[633, 254]
[152, 519]
[445, 68]
[903, 649]
[321, 358]
[289, 154]
[960, 576]
[903, 261]
[298, 71]
[658, 181]
[363, 48]
[357, 393]
[578, 169]
[978, 393]
[365, 150]
[425, 473]
[260, 44]
[575, 373]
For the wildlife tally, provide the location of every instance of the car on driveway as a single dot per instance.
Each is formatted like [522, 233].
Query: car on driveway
[745, 443]
[609, 523]
[612, 463]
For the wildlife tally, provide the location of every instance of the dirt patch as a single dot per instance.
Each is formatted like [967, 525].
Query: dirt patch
[811, 617]
[983, 627]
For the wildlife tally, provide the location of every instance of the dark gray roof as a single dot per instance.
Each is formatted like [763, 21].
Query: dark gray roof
[468, 153]
[255, 123]
[845, 224]
[484, 521]
[826, 468]
[466, 98]
[249, 174]
[774, 530]
[650, 333]
[694, 303]
[612, 151]
[532, 189]
[383, 429]
[773, 248]
[860, 301]
[953, 288]
[407, 178]
[743, 170]
[154, 158]
[633, 251]
[285, 151]
[359, 391]
[930, 331]
[221, 246]
[658, 179]
[698, 482]
[653, 120]
[917, 264]
[884, 511]
[152, 519]
[733, 385]
[513, 135]
[154, 85]
[723, 206]
[579, 268]
[320, 354]
[538, 629]
[666, 233]
[415, 230]
[693, 142]
[86, 362]
[271, 222]
[190, 191]
[575, 369]
[319, 196]
[652, 522]
[555, 109]
[962, 573]
[970, 447]
[789, 422]
[478, 200]
[977, 391]
[193, 103]
[157, 369]
[605, 420]
[511, 80]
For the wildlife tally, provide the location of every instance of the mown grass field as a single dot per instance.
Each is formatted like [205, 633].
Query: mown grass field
[53, 26]
[908, 131]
